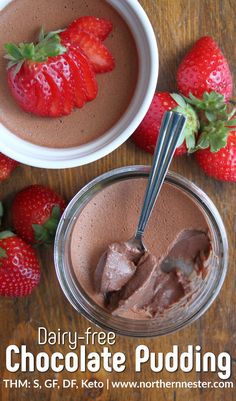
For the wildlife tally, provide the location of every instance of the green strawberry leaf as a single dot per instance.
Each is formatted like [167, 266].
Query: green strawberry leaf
[214, 136]
[203, 142]
[231, 123]
[218, 141]
[40, 234]
[44, 234]
[28, 52]
[6, 234]
[56, 212]
[190, 142]
[49, 45]
[181, 139]
[18, 67]
[3, 253]
[178, 99]
[54, 33]
[192, 125]
[11, 64]
[41, 34]
[13, 51]
[210, 116]
[213, 103]
[9, 57]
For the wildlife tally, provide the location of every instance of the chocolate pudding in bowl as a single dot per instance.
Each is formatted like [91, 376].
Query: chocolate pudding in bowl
[124, 94]
[146, 296]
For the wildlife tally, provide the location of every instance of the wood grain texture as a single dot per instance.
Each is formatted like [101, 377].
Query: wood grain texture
[177, 24]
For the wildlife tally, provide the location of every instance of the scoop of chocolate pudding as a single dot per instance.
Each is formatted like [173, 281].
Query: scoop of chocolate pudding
[133, 285]
[21, 21]
[144, 284]
[115, 267]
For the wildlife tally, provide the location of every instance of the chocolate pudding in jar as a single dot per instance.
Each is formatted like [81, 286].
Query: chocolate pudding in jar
[20, 22]
[171, 284]
[129, 283]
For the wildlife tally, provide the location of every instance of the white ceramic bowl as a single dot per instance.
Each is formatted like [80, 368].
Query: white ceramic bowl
[44, 157]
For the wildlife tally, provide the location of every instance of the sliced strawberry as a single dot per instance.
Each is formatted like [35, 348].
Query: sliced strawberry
[99, 27]
[88, 76]
[33, 91]
[23, 88]
[33, 83]
[64, 80]
[99, 56]
[44, 95]
[56, 84]
[58, 73]
[78, 82]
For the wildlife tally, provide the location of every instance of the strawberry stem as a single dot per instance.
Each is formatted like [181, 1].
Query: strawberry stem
[49, 45]
[212, 103]
[192, 126]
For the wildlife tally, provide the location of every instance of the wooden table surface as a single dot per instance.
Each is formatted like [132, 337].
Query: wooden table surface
[177, 24]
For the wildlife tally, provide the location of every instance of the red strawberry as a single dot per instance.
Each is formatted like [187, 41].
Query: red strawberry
[36, 76]
[7, 165]
[86, 72]
[36, 211]
[19, 266]
[99, 27]
[23, 88]
[49, 79]
[146, 134]
[52, 77]
[205, 69]
[77, 81]
[62, 82]
[98, 54]
[222, 163]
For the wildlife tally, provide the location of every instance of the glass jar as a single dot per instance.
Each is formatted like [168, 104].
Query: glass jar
[183, 314]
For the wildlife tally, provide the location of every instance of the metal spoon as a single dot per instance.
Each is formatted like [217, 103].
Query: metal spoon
[171, 129]
[112, 276]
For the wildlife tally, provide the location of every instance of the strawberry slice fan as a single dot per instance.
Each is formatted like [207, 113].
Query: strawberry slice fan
[57, 74]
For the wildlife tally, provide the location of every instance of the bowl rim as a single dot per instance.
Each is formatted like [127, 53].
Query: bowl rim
[104, 322]
[56, 158]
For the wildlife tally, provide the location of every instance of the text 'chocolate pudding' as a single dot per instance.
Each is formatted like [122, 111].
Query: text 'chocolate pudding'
[125, 281]
[20, 22]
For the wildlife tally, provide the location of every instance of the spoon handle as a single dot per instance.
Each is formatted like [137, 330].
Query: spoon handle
[172, 127]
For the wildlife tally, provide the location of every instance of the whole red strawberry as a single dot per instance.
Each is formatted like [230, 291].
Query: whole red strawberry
[36, 211]
[7, 165]
[19, 266]
[221, 164]
[205, 69]
[146, 134]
